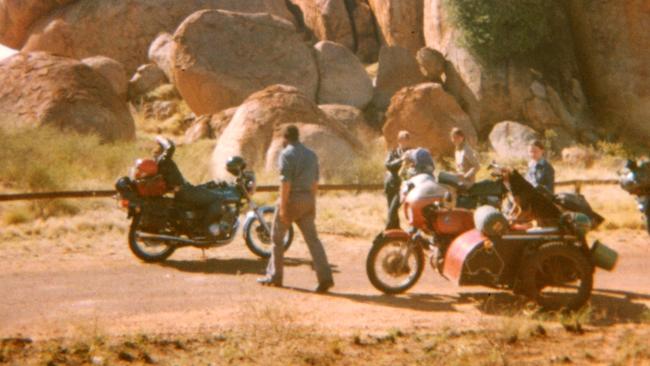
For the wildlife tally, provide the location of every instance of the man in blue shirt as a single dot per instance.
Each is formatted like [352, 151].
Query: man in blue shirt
[540, 171]
[299, 174]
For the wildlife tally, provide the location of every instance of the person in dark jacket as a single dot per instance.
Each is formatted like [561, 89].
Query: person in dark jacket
[184, 191]
[393, 180]
[540, 171]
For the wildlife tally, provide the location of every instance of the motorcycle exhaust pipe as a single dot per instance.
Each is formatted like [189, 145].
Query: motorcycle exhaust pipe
[178, 241]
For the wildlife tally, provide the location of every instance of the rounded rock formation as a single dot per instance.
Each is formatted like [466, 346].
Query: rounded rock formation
[40, 89]
[510, 140]
[255, 51]
[429, 114]
[255, 130]
[343, 79]
[124, 29]
[112, 70]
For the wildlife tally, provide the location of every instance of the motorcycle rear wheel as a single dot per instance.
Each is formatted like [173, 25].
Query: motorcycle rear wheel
[143, 250]
[397, 259]
[258, 241]
[558, 277]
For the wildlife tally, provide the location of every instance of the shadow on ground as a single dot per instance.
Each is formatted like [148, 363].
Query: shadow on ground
[231, 266]
[606, 307]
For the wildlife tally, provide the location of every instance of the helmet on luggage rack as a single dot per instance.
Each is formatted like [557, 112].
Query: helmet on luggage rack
[235, 165]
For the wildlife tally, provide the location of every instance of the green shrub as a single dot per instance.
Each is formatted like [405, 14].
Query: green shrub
[497, 30]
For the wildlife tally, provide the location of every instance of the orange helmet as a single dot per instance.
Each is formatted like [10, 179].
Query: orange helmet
[145, 168]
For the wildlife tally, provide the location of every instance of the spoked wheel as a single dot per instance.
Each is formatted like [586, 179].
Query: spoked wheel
[147, 250]
[559, 276]
[258, 238]
[394, 265]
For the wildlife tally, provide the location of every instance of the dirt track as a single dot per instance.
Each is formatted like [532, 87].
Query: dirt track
[65, 284]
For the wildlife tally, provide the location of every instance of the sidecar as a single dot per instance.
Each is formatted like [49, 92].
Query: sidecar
[552, 265]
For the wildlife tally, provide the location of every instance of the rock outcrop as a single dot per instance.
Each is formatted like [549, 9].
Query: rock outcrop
[124, 29]
[397, 69]
[498, 91]
[343, 79]
[112, 70]
[40, 89]
[255, 51]
[255, 130]
[400, 22]
[146, 78]
[161, 53]
[510, 140]
[328, 20]
[352, 119]
[612, 40]
[429, 114]
[17, 16]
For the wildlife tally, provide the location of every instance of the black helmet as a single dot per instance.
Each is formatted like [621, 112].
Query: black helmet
[235, 165]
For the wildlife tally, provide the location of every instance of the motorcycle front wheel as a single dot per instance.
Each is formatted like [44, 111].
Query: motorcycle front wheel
[394, 265]
[145, 250]
[258, 239]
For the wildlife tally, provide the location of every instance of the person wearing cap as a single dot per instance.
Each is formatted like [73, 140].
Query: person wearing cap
[467, 163]
[419, 161]
[299, 174]
[392, 182]
[540, 171]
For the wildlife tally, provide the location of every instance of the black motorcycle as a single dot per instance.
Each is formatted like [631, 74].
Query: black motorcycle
[160, 224]
[635, 179]
[490, 192]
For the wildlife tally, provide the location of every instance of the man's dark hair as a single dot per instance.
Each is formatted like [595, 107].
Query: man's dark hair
[291, 133]
[539, 144]
[456, 131]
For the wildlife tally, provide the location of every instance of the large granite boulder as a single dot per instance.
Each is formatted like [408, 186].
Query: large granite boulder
[343, 79]
[161, 53]
[255, 130]
[39, 89]
[510, 140]
[112, 70]
[255, 51]
[397, 69]
[428, 113]
[124, 29]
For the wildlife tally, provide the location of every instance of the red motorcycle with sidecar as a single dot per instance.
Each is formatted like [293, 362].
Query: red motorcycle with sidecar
[552, 264]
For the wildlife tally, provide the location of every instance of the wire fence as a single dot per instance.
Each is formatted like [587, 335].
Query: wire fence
[576, 183]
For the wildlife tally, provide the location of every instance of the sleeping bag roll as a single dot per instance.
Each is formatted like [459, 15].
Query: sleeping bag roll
[490, 221]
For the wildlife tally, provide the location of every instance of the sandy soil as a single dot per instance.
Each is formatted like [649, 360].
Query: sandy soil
[58, 282]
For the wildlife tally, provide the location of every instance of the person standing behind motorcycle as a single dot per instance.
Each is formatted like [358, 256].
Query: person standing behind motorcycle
[183, 191]
[393, 181]
[467, 164]
[540, 171]
[299, 174]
